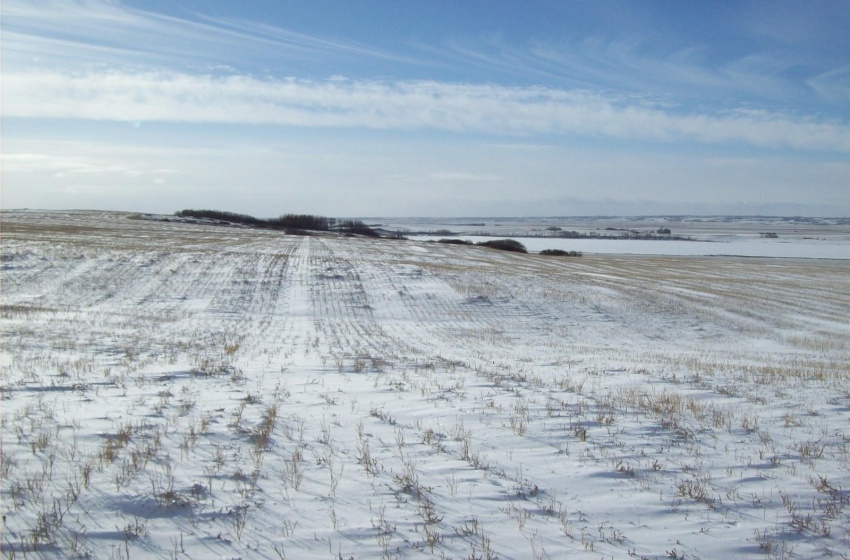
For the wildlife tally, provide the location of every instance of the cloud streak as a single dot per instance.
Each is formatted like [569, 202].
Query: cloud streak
[401, 105]
[97, 32]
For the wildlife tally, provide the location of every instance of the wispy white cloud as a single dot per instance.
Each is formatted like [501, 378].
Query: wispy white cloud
[485, 109]
[270, 35]
[105, 32]
[833, 85]
[638, 66]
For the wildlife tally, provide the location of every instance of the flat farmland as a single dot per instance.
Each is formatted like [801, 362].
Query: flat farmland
[174, 390]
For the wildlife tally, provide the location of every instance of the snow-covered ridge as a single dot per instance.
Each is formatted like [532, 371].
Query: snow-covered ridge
[189, 390]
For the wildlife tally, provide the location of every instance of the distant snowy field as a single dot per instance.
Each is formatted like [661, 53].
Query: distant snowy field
[813, 238]
[739, 247]
[185, 391]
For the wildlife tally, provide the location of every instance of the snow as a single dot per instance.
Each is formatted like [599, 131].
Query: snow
[817, 238]
[185, 390]
[738, 246]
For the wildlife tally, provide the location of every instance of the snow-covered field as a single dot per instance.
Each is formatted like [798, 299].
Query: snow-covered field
[809, 238]
[737, 246]
[185, 391]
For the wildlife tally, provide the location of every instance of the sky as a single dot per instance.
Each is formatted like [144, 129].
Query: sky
[438, 108]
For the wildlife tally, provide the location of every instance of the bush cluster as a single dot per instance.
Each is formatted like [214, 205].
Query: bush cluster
[560, 253]
[303, 221]
[356, 227]
[455, 241]
[220, 216]
[504, 245]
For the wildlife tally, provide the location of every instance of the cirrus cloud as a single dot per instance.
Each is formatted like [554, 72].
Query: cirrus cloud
[170, 96]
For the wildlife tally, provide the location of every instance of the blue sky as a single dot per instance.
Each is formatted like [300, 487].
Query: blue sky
[438, 108]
